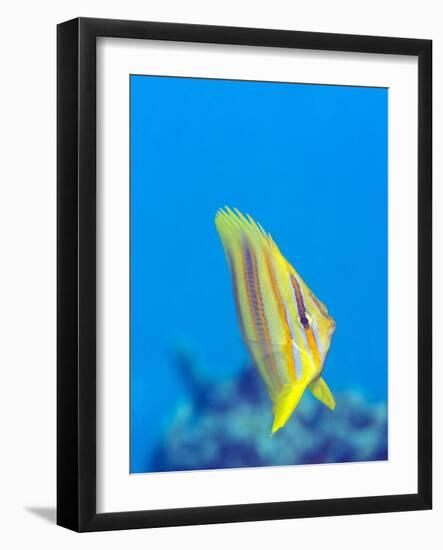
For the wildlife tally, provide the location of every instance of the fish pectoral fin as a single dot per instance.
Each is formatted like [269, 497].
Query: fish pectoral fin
[285, 404]
[321, 392]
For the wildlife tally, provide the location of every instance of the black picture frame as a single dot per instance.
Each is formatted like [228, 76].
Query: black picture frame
[76, 274]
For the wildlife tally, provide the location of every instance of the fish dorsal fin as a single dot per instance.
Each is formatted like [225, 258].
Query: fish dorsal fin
[234, 228]
[285, 404]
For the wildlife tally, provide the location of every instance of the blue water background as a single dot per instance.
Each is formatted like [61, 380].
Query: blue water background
[309, 163]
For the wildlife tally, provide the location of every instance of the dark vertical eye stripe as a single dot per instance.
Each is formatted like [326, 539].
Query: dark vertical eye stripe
[300, 302]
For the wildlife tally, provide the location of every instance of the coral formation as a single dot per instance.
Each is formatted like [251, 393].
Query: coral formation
[227, 424]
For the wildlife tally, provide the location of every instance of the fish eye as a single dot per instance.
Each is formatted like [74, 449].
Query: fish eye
[306, 320]
[309, 319]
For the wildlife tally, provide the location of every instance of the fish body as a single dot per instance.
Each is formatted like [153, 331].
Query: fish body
[286, 329]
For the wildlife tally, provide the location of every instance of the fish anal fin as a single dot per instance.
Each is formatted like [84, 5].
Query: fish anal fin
[285, 404]
[321, 392]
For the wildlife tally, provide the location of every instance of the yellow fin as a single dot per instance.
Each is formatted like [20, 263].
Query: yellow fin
[287, 400]
[321, 391]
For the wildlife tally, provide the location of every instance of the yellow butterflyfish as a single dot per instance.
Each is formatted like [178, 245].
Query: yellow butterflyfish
[286, 329]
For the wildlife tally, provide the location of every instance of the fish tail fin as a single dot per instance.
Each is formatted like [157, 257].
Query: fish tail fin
[286, 403]
[321, 392]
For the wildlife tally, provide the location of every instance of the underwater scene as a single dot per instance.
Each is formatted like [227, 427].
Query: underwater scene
[258, 274]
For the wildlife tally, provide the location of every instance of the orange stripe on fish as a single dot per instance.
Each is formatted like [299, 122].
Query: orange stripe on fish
[257, 309]
[313, 346]
[283, 315]
[240, 315]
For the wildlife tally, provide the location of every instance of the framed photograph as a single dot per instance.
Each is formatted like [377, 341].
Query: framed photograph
[244, 274]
